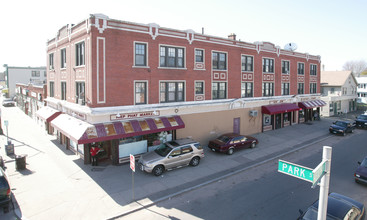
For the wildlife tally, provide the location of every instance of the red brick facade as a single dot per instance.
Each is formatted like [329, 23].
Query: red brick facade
[109, 72]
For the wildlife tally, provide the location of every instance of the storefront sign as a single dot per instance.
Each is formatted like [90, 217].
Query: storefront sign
[78, 115]
[134, 115]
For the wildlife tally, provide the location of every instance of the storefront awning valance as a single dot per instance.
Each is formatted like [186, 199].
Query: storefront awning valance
[279, 108]
[311, 104]
[47, 113]
[83, 132]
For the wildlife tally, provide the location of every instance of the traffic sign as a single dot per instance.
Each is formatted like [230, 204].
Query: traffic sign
[295, 170]
[132, 162]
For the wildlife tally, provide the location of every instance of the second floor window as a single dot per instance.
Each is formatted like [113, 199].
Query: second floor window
[140, 54]
[301, 68]
[246, 89]
[285, 88]
[63, 58]
[52, 88]
[140, 93]
[79, 54]
[35, 73]
[313, 69]
[51, 61]
[268, 89]
[172, 57]
[219, 90]
[313, 88]
[199, 56]
[285, 67]
[268, 65]
[247, 63]
[301, 89]
[172, 91]
[199, 88]
[63, 90]
[219, 61]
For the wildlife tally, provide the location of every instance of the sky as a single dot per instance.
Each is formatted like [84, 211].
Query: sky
[334, 29]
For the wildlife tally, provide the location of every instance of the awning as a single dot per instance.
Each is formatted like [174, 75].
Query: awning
[311, 104]
[47, 113]
[83, 132]
[279, 108]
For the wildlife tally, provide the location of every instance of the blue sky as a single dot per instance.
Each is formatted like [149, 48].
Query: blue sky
[335, 30]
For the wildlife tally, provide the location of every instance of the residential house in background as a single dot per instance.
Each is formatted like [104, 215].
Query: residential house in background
[339, 91]
[130, 87]
[362, 89]
[25, 75]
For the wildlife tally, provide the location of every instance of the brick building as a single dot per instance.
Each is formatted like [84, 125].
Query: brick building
[129, 87]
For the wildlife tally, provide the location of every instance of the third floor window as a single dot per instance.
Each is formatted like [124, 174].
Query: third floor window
[51, 61]
[313, 69]
[219, 61]
[63, 58]
[285, 67]
[140, 54]
[172, 57]
[79, 54]
[301, 68]
[199, 56]
[268, 65]
[247, 63]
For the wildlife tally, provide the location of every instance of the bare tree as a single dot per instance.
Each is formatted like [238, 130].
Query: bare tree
[356, 66]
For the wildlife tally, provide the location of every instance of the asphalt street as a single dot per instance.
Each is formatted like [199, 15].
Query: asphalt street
[264, 193]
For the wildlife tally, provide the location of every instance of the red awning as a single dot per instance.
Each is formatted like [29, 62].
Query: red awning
[47, 113]
[83, 132]
[311, 104]
[279, 108]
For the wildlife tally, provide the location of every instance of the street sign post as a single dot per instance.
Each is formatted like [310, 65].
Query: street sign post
[320, 174]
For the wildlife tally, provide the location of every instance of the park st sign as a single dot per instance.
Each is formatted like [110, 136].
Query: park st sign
[301, 172]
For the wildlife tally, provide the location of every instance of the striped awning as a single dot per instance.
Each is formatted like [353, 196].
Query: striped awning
[311, 104]
[83, 132]
[279, 108]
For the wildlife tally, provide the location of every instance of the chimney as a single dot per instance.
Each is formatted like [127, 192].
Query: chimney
[232, 36]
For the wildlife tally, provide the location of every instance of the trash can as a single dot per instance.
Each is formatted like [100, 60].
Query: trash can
[20, 162]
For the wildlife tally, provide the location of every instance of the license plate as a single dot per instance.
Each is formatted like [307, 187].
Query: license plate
[141, 167]
[334, 132]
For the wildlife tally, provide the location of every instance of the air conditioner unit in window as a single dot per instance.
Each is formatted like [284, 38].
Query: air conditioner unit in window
[253, 113]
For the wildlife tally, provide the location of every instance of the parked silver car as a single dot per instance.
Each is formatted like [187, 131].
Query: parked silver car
[172, 154]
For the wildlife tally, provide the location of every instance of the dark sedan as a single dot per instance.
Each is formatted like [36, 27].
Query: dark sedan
[5, 191]
[227, 143]
[361, 121]
[341, 127]
[339, 207]
[360, 176]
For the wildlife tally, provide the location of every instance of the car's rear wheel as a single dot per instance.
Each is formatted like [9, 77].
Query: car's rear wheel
[253, 144]
[195, 161]
[230, 151]
[158, 170]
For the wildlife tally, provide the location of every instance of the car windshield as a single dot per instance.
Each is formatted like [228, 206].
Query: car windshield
[163, 150]
[223, 138]
[362, 117]
[340, 123]
[311, 214]
[364, 163]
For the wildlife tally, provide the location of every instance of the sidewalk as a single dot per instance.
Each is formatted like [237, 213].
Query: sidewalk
[56, 182]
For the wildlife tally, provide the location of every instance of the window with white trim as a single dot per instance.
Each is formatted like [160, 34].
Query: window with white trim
[172, 57]
[219, 61]
[247, 63]
[63, 58]
[246, 89]
[140, 54]
[300, 68]
[80, 54]
[268, 65]
[172, 91]
[285, 67]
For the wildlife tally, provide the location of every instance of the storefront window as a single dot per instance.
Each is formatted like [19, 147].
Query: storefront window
[302, 113]
[285, 117]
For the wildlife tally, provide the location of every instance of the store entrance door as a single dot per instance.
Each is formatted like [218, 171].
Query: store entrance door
[278, 121]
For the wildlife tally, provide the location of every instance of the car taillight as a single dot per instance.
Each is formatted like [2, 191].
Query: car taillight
[8, 192]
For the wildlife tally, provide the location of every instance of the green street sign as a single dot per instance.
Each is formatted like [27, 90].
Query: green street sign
[295, 170]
